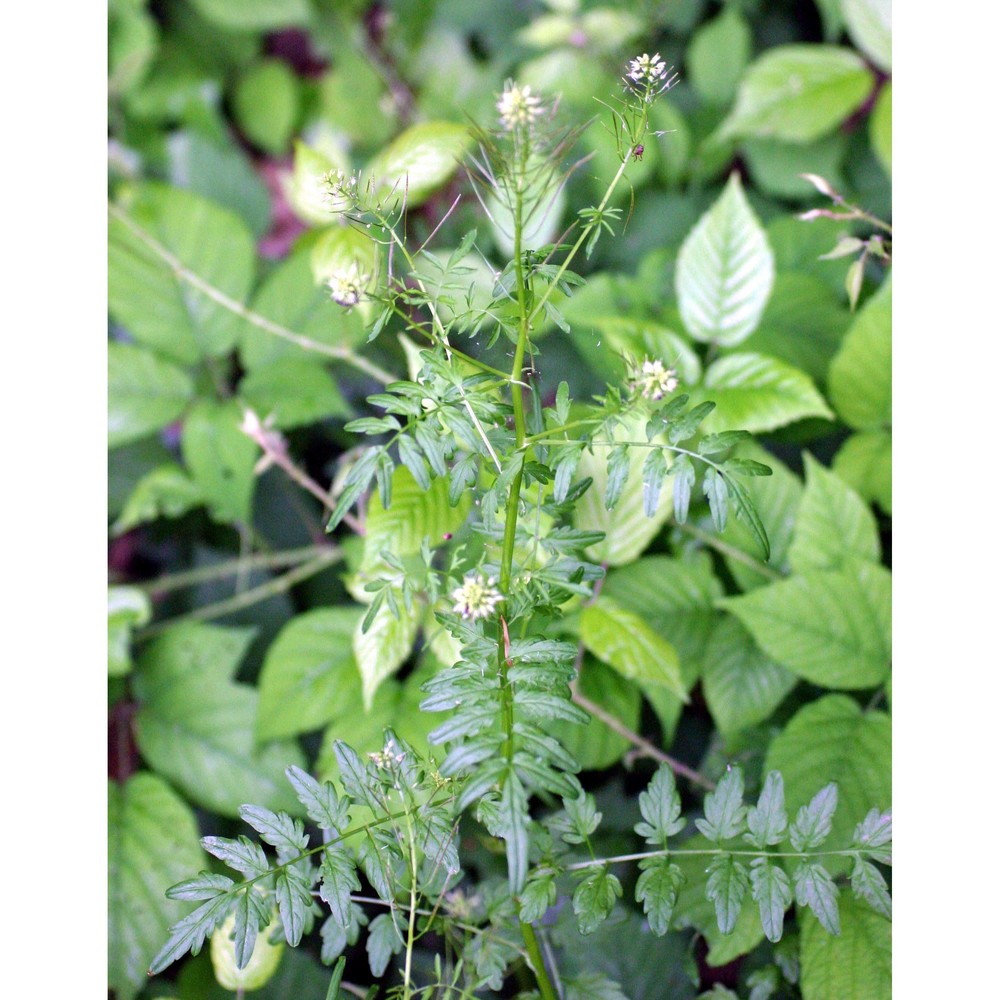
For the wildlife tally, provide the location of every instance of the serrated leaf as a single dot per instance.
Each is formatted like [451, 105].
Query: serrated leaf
[242, 855]
[164, 492]
[812, 824]
[773, 894]
[152, 843]
[277, 829]
[292, 892]
[767, 820]
[868, 884]
[618, 472]
[145, 393]
[798, 93]
[656, 889]
[383, 942]
[321, 803]
[594, 899]
[816, 890]
[857, 963]
[725, 270]
[624, 641]
[727, 885]
[834, 525]
[653, 471]
[874, 831]
[308, 673]
[339, 880]
[830, 627]
[660, 805]
[716, 492]
[513, 813]
[725, 814]
[759, 393]
[355, 484]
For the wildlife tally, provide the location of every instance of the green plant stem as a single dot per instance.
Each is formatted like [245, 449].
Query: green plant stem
[537, 962]
[185, 274]
[265, 560]
[709, 852]
[279, 585]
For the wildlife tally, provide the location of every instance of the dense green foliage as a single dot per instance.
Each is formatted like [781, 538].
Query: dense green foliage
[500, 487]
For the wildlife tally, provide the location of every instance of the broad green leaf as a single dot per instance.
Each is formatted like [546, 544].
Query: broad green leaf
[381, 651]
[266, 104]
[309, 673]
[831, 627]
[293, 393]
[419, 161]
[728, 882]
[128, 607]
[627, 530]
[220, 458]
[132, 44]
[596, 746]
[834, 524]
[346, 262]
[308, 189]
[725, 270]
[803, 324]
[869, 23]
[164, 492]
[776, 165]
[798, 93]
[641, 338]
[756, 393]
[856, 965]
[880, 128]
[624, 641]
[255, 15]
[146, 295]
[152, 844]
[718, 54]
[145, 393]
[196, 726]
[656, 889]
[291, 298]
[742, 685]
[594, 899]
[861, 373]
[833, 740]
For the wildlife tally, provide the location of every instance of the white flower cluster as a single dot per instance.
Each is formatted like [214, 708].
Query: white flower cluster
[478, 597]
[340, 190]
[654, 380]
[387, 756]
[346, 287]
[648, 76]
[517, 106]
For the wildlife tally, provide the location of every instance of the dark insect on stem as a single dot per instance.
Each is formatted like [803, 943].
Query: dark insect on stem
[638, 151]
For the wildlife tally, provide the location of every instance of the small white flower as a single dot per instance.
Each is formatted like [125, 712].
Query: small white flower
[478, 597]
[517, 106]
[340, 190]
[345, 287]
[648, 76]
[654, 380]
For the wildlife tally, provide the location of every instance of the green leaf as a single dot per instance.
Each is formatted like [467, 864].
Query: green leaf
[856, 964]
[660, 806]
[145, 393]
[725, 270]
[773, 894]
[742, 685]
[832, 740]
[196, 726]
[128, 607]
[255, 15]
[869, 23]
[145, 294]
[834, 525]
[594, 899]
[624, 641]
[798, 93]
[654, 469]
[864, 462]
[767, 820]
[656, 889]
[776, 167]
[727, 885]
[266, 104]
[880, 128]
[861, 373]
[816, 890]
[308, 674]
[514, 819]
[868, 884]
[418, 161]
[152, 844]
[717, 56]
[220, 458]
[874, 831]
[382, 650]
[832, 628]
[293, 393]
[813, 822]
[384, 941]
[725, 814]
[758, 393]
[627, 529]
[714, 487]
[164, 492]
